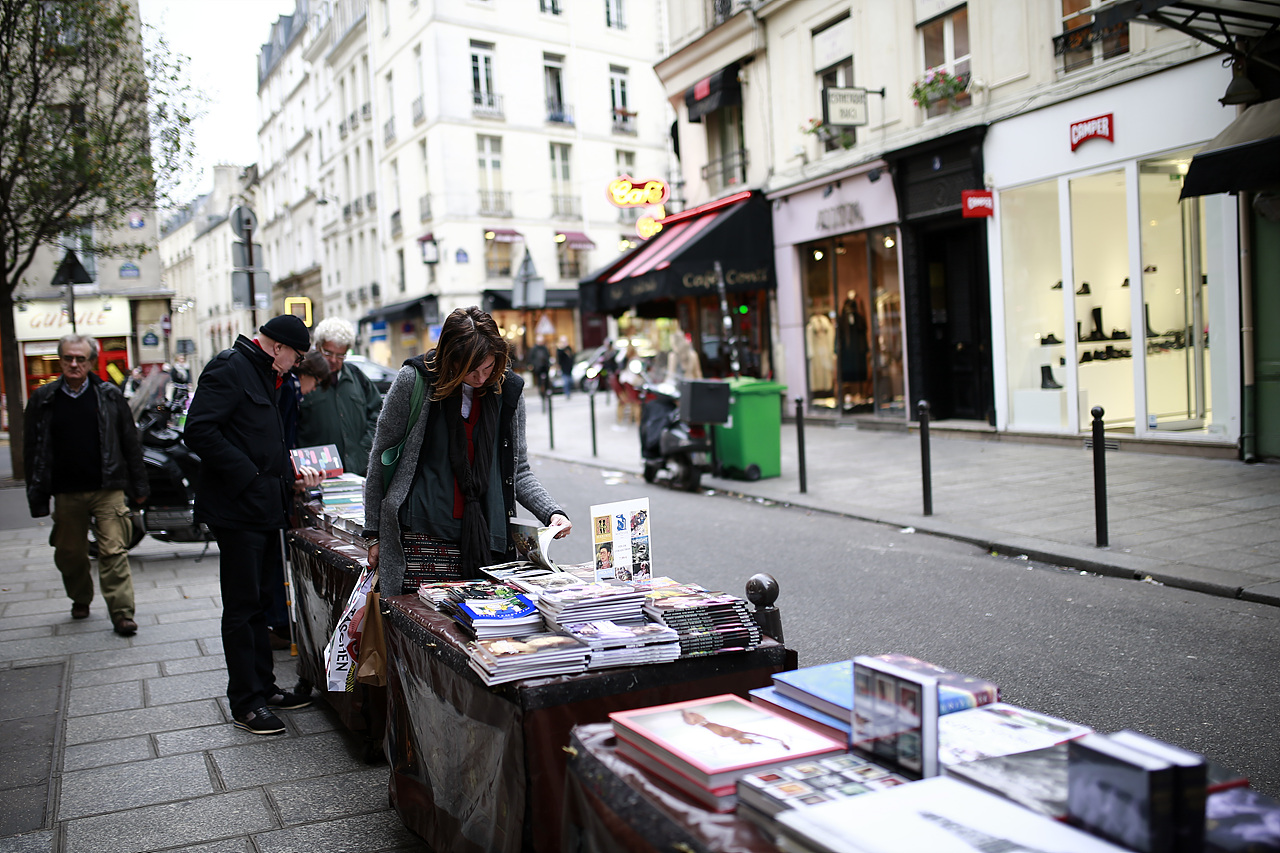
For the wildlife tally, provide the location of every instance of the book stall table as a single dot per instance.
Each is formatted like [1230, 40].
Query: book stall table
[483, 768]
[611, 805]
[325, 570]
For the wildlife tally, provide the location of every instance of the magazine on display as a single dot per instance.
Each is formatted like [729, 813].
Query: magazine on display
[937, 815]
[613, 644]
[620, 540]
[503, 659]
[533, 542]
[713, 741]
[1000, 729]
[895, 717]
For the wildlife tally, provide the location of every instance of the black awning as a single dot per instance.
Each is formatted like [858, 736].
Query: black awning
[721, 89]
[1244, 157]
[1220, 23]
[679, 261]
[557, 297]
[427, 308]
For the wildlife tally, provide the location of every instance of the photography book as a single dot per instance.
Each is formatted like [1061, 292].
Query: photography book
[1036, 780]
[1121, 794]
[1000, 729]
[895, 717]
[1241, 820]
[956, 691]
[827, 687]
[1190, 781]
[823, 723]
[807, 783]
[620, 540]
[937, 815]
[324, 458]
[715, 740]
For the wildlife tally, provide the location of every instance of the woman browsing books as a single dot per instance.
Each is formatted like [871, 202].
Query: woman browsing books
[444, 480]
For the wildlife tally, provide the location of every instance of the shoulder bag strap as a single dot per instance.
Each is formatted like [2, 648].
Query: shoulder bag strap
[391, 456]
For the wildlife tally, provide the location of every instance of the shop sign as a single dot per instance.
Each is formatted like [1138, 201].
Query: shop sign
[47, 320]
[136, 221]
[842, 217]
[1101, 127]
[628, 192]
[461, 256]
[977, 203]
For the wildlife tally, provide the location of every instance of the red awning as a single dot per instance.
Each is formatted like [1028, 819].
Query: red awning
[575, 240]
[503, 235]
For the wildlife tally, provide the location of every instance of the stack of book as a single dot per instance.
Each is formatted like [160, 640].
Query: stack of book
[435, 593]
[956, 691]
[613, 644]
[342, 490]
[534, 656]
[591, 602]
[485, 610]
[762, 796]
[820, 696]
[701, 747]
[708, 622]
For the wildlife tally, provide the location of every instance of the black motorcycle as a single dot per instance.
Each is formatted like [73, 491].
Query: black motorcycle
[172, 472]
[674, 450]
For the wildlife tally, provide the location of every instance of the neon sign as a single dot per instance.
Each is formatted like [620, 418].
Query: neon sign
[628, 192]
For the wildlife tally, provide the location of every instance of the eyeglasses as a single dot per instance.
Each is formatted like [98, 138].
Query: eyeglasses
[74, 359]
[297, 356]
[336, 356]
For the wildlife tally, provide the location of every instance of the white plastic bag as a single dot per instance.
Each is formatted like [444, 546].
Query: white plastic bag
[343, 651]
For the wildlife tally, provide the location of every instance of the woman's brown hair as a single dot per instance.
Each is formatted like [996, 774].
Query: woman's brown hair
[313, 364]
[468, 337]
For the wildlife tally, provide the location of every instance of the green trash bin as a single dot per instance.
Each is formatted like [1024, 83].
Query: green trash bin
[749, 446]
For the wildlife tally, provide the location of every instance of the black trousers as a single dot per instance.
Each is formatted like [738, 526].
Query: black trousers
[249, 565]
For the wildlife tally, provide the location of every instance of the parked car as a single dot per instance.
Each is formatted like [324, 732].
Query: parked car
[381, 375]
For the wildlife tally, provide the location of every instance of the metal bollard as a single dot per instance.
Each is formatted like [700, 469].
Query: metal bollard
[1100, 475]
[926, 468]
[551, 426]
[762, 591]
[591, 402]
[804, 483]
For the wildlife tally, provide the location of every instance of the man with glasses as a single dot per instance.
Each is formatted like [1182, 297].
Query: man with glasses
[244, 496]
[344, 411]
[82, 449]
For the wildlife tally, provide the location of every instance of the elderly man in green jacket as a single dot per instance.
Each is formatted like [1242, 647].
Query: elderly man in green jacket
[344, 411]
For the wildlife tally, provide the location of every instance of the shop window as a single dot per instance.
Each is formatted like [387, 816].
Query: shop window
[80, 241]
[1081, 45]
[613, 15]
[1036, 343]
[945, 42]
[726, 150]
[623, 117]
[497, 259]
[485, 100]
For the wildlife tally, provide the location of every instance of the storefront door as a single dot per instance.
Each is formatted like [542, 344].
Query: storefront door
[958, 358]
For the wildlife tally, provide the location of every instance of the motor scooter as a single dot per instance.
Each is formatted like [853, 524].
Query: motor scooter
[674, 451]
[172, 472]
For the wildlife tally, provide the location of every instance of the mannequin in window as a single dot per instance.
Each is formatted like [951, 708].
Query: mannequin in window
[819, 334]
[854, 348]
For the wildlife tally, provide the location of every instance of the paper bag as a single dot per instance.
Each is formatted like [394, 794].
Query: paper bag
[372, 668]
[343, 651]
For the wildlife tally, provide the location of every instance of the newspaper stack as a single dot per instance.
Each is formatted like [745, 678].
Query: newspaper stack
[627, 645]
[534, 656]
[591, 602]
[486, 610]
[708, 622]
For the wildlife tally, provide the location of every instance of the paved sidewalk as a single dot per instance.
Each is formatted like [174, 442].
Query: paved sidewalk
[116, 745]
[1205, 524]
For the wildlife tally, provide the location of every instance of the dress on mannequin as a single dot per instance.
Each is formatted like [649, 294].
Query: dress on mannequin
[819, 335]
[854, 348]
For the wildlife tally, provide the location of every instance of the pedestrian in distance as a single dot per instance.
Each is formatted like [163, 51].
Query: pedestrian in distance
[344, 410]
[540, 365]
[462, 462]
[244, 495]
[83, 451]
[564, 360]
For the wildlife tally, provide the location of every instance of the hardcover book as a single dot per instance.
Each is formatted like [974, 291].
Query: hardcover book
[1036, 780]
[1000, 729]
[956, 691]
[1241, 820]
[1190, 779]
[833, 727]
[1120, 793]
[936, 815]
[715, 740]
[895, 717]
[828, 687]
[324, 458]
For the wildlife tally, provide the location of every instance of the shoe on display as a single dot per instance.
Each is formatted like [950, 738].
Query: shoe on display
[1047, 381]
[1125, 283]
[79, 611]
[124, 626]
[1087, 357]
[1057, 286]
[287, 700]
[1049, 339]
[1119, 335]
[260, 721]
[1084, 290]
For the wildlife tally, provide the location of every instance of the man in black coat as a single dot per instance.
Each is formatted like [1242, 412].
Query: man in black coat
[82, 449]
[244, 492]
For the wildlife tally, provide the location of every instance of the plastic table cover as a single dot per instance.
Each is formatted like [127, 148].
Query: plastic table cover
[476, 768]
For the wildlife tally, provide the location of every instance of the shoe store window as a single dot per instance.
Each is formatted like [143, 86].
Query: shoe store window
[1033, 308]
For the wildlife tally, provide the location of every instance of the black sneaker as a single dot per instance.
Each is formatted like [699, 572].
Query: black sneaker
[260, 721]
[288, 701]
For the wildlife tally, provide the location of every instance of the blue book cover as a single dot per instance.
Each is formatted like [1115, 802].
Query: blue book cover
[828, 687]
[514, 606]
[771, 696]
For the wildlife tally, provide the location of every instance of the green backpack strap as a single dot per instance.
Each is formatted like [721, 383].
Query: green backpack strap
[391, 456]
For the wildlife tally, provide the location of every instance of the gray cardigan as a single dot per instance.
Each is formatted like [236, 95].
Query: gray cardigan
[382, 511]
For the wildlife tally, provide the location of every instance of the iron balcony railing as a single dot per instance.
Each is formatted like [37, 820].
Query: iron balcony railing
[395, 224]
[419, 113]
[727, 171]
[486, 105]
[559, 112]
[389, 131]
[495, 203]
[564, 207]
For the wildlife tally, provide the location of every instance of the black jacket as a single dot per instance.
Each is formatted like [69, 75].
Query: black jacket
[122, 466]
[234, 426]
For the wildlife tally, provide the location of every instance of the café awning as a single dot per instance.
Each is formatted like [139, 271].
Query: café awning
[425, 307]
[575, 240]
[1245, 156]
[503, 235]
[556, 297]
[679, 261]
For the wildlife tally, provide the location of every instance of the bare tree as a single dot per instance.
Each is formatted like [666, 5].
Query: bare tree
[91, 127]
